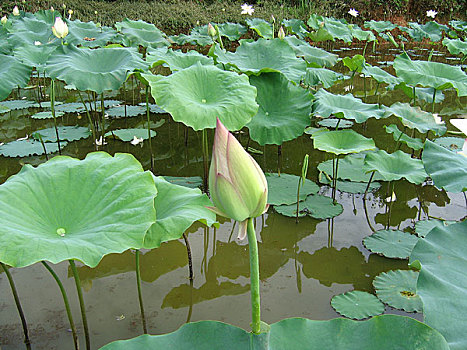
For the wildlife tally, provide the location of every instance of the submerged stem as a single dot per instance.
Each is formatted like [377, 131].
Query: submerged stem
[81, 303]
[140, 294]
[254, 278]
[188, 252]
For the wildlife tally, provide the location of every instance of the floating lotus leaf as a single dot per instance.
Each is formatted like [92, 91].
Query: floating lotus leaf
[46, 104]
[283, 189]
[415, 118]
[455, 46]
[379, 26]
[342, 142]
[17, 104]
[431, 74]
[380, 332]
[398, 135]
[398, 289]
[442, 285]
[350, 186]
[391, 243]
[350, 168]
[451, 143]
[137, 33]
[46, 115]
[75, 209]
[357, 305]
[313, 55]
[72, 107]
[284, 109]
[186, 181]
[261, 27]
[335, 123]
[96, 70]
[430, 30]
[316, 206]
[129, 111]
[264, 56]
[153, 108]
[177, 60]
[13, 73]
[196, 96]
[177, 208]
[68, 133]
[29, 147]
[87, 34]
[345, 106]
[380, 75]
[296, 26]
[395, 166]
[327, 77]
[423, 227]
[129, 134]
[446, 168]
[34, 55]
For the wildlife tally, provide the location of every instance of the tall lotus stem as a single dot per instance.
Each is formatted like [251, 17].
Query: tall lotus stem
[301, 181]
[188, 252]
[279, 159]
[93, 128]
[81, 303]
[27, 342]
[219, 38]
[66, 302]
[205, 159]
[433, 102]
[140, 294]
[103, 115]
[149, 127]
[254, 278]
[52, 107]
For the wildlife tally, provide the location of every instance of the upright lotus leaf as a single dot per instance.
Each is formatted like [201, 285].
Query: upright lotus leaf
[391, 243]
[75, 209]
[196, 96]
[96, 70]
[261, 27]
[34, 55]
[68, 133]
[313, 55]
[337, 29]
[442, 285]
[263, 56]
[398, 135]
[177, 208]
[231, 31]
[380, 332]
[355, 63]
[26, 31]
[430, 30]
[431, 74]
[458, 25]
[423, 94]
[137, 33]
[296, 26]
[13, 74]
[447, 169]
[283, 189]
[455, 46]
[177, 60]
[350, 168]
[327, 77]
[284, 109]
[379, 26]
[345, 106]
[87, 34]
[342, 142]
[415, 118]
[395, 166]
[362, 35]
[381, 76]
[357, 305]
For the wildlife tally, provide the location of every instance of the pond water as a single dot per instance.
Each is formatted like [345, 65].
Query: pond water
[301, 265]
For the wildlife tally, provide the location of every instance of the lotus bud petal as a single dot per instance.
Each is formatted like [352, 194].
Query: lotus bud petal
[281, 34]
[211, 30]
[60, 29]
[15, 11]
[4, 19]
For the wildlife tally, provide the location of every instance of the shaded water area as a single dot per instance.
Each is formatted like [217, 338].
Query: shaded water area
[301, 265]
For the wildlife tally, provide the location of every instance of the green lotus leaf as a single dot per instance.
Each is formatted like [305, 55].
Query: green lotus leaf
[153, 108]
[17, 104]
[362, 35]
[264, 56]
[327, 77]
[284, 109]
[127, 135]
[350, 168]
[46, 104]
[357, 305]
[28, 147]
[398, 289]
[398, 135]
[415, 118]
[75, 209]
[137, 33]
[334, 123]
[5, 46]
[87, 34]
[48, 16]
[283, 189]
[46, 115]
[128, 111]
[177, 60]
[430, 30]
[355, 63]
[261, 27]
[451, 143]
[320, 35]
[431, 74]
[27, 30]
[316, 206]
[395, 166]
[424, 94]
[96, 70]
[4, 109]
[177, 208]
[314, 56]
[345, 106]
[442, 285]
[72, 107]
[391, 243]
[186, 181]
[342, 142]
[198, 36]
[67, 133]
[197, 95]
[350, 186]
[447, 169]
[379, 26]
[455, 46]
[231, 31]
[34, 55]
[13, 73]
[458, 25]
[380, 75]
[296, 26]
[337, 29]
[423, 227]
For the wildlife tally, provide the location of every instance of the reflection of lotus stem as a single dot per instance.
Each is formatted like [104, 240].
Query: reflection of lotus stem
[364, 49]
[89, 118]
[140, 294]
[190, 308]
[433, 102]
[205, 159]
[188, 252]
[149, 127]
[254, 278]
[334, 177]
[103, 116]
[18, 306]
[81, 303]
[279, 158]
[67, 304]
[52, 107]
[377, 86]
[298, 199]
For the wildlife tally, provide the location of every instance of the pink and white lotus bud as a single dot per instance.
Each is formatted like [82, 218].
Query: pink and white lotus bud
[237, 184]
[211, 30]
[4, 19]
[281, 34]
[15, 11]
[60, 29]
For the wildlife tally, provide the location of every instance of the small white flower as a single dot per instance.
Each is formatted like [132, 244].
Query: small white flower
[37, 43]
[431, 13]
[136, 141]
[52, 8]
[15, 11]
[347, 88]
[281, 34]
[391, 199]
[438, 119]
[247, 9]
[4, 19]
[100, 142]
[353, 12]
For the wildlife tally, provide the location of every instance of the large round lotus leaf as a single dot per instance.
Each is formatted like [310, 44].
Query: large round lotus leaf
[137, 33]
[177, 60]
[96, 70]
[68, 133]
[398, 289]
[75, 209]
[334, 123]
[451, 143]
[27, 30]
[391, 243]
[350, 186]
[17, 104]
[13, 73]
[313, 55]
[342, 142]
[316, 206]
[129, 111]
[455, 46]
[87, 34]
[357, 305]
[442, 285]
[380, 75]
[47, 115]
[379, 26]
[360, 34]
[284, 109]
[295, 26]
[415, 118]
[395, 166]
[46, 104]
[129, 134]
[264, 56]
[345, 106]
[430, 30]
[283, 189]
[261, 27]
[153, 108]
[350, 168]
[327, 77]
[431, 74]
[29, 147]
[423, 227]
[34, 55]
[447, 169]
[386, 332]
[423, 94]
[177, 208]
[196, 96]
[399, 136]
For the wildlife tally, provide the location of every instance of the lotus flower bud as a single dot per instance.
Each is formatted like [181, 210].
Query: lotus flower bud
[211, 30]
[4, 19]
[64, 6]
[237, 184]
[15, 11]
[60, 29]
[281, 34]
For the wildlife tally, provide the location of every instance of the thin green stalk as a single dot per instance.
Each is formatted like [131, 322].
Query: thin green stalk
[103, 115]
[298, 199]
[335, 178]
[81, 303]
[27, 342]
[205, 159]
[93, 128]
[66, 302]
[188, 252]
[364, 85]
[149, 127]
[377, 86]
[433, 102]
[414, 96]
[43, 146]
[140, 294]
[52, 107]
[254, 278]
[219, 37]
[364, 49]
[279, 159]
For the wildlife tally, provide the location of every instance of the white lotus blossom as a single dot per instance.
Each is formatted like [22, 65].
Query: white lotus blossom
[37, 43]
[136, 141]
[15, 11]
[353, 12]
[60, 29]
[391, 199]
[438, 119]
[100, 142]
[247, 9]
[431, 13]
[4, 19]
